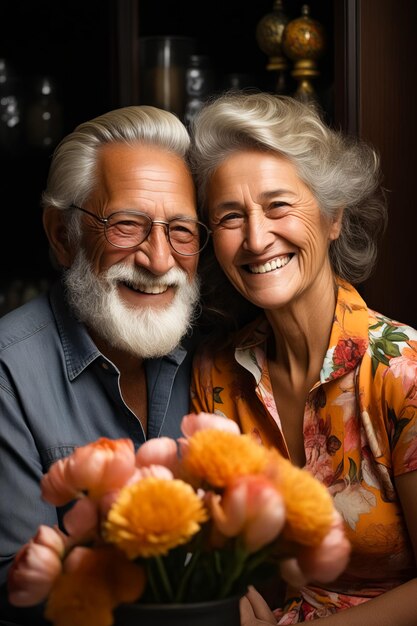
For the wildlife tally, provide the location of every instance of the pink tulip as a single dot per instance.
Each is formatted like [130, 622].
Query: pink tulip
[328, 560]
[53, 538]
[192, 422]
[82, 520]
[158, 451]
[95, 469]
[157, 471]
[54, 485]
[250, 507]
[291, 572]
[35, 567]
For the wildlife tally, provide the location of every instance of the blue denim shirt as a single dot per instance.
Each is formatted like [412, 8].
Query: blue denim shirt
[57, 391]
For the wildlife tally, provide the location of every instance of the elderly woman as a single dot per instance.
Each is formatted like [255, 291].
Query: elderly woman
[295, 210]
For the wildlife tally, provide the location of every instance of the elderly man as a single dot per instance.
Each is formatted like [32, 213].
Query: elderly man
[107, 352]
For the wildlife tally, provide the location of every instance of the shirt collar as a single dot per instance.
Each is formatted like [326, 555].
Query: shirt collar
[79, 349]
[348, 338]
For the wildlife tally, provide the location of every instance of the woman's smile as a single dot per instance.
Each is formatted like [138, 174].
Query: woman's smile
[270, 266]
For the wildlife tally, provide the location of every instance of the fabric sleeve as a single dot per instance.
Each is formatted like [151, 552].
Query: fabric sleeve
[22, 509]
[400, 399]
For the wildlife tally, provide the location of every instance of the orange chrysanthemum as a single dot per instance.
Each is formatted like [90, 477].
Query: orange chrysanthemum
[309, 506]
[154, 515]
[94, 582]
[79, 599]
[218, 456]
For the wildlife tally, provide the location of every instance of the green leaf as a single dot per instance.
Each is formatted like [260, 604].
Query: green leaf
[394, 335]
[353, 471]
[216, 395]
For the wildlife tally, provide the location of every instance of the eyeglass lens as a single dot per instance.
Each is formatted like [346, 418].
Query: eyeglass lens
[126, 230]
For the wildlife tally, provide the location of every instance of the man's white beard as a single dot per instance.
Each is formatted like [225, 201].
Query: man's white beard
[146, 332]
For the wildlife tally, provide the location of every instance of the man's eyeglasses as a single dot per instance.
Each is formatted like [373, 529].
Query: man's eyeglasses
[128, 229]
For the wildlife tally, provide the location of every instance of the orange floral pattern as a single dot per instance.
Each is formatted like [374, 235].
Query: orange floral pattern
[354, 444]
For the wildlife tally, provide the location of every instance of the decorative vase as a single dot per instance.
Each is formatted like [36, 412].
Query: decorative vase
[269, 32]
[304, 41]
[212, 613]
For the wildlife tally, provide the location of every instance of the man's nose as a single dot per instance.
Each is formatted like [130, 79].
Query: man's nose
[155, 253]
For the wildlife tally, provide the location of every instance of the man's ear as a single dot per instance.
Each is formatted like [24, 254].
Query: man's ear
[56, 231]
[336, 225]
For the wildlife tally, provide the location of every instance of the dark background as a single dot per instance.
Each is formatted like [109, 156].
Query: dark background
[90, 50]
[76, 44]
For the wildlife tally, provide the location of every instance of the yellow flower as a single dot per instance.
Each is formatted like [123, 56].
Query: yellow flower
[94, 582]
[154, 515]
[79, 599]
[309, 506]
[219, 456]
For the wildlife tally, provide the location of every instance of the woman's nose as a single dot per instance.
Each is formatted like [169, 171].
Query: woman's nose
[257, 232]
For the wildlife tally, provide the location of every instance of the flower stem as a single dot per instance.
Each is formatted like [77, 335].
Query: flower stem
[186, 576]
[152, 583]
[235, 572]
[256, 560]
[164, 578]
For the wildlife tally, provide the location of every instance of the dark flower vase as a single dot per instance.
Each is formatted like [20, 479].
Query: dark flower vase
[214, 613]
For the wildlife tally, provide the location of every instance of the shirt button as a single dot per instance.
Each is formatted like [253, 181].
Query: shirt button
[105, 365]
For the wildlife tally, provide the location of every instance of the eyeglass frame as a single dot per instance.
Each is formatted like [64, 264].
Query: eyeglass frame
[104, 221]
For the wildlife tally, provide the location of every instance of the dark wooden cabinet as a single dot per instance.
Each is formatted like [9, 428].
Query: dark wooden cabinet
[225, 31]
[367, 84]
[375, 96]
[91, 50]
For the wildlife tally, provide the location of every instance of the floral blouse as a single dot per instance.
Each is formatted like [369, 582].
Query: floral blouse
[360, 431]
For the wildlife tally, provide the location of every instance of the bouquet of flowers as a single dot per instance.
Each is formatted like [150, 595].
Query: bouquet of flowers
[188, 520]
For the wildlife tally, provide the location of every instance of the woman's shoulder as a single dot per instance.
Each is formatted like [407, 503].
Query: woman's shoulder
[388, 334]
[392, 349]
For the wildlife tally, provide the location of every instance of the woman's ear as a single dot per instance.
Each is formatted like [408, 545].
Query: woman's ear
[56, 232]
[336, 225]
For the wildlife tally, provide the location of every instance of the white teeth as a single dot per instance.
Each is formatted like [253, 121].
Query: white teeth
[154, 289]
[269, 266]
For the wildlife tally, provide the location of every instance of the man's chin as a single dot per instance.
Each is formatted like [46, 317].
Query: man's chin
[145, 332]
[142, 326]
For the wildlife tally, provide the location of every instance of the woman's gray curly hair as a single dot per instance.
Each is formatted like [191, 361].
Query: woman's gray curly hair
[73, 171]
[341, 172]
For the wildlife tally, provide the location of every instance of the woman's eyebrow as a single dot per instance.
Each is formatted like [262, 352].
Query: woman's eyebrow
[267, 195]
